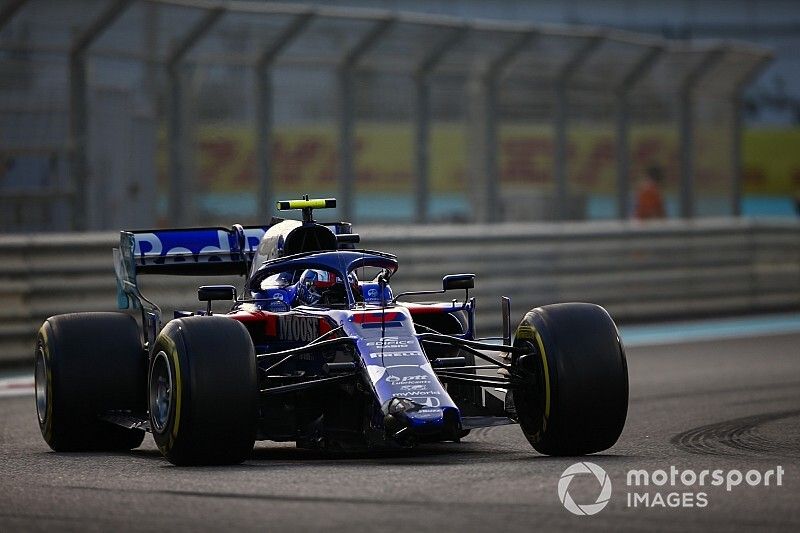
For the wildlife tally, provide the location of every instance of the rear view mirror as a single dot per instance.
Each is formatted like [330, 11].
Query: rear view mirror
[449, 283]
[348, 238]
[210, 293]
[458, 281]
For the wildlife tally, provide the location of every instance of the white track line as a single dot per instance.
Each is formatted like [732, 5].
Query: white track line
[16, 386]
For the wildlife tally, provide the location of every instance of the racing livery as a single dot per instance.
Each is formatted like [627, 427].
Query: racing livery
[316, 349]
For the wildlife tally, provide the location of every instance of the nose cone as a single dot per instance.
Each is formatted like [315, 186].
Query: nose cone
[409, 421]
[429, 418]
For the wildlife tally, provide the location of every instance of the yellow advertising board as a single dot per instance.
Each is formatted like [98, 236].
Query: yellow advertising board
[305, 158]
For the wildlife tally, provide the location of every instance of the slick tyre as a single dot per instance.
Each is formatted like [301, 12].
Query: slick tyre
[87, 364]
[203, 391]
[574, 394]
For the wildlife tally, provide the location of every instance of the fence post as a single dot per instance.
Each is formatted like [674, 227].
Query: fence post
[492, 208]
[629, 81]
[181, 197]
[561, 120]
[422, 119]
[686, 129]
[736, 146]
[347, 111]
[264, 100]
[79, 111]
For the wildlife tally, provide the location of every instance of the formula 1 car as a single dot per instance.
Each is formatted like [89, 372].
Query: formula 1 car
[317, 350]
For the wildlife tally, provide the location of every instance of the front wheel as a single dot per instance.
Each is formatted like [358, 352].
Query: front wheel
[572, 392]
[203, 391]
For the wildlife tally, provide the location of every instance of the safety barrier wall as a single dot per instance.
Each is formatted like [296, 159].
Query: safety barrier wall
[637, 271]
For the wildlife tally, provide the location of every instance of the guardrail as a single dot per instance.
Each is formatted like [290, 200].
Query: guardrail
[637, 271]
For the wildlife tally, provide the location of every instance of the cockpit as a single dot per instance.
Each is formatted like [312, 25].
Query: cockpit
[336, 279]
[311, 264]
[311, 287]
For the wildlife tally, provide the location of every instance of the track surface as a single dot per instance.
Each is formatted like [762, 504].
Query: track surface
[729, 404]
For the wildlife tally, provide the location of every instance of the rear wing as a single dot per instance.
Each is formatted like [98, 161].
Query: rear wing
[188, 252]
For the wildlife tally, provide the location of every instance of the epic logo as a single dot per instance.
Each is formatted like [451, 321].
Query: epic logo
[391, 342]
[298, 328]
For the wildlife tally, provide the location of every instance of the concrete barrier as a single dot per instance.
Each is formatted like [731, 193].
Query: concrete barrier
[637, 271]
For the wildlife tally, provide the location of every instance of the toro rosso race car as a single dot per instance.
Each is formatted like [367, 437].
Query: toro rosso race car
[318, 350]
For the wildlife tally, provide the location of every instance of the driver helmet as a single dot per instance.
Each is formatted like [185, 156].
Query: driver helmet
[309, 291]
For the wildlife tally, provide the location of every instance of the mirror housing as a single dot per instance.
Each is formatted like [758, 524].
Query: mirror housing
[458, 281]
[210, 293]
[449, 283]
[348, 238]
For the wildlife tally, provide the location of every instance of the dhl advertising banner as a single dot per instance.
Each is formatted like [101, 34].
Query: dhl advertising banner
[305, 158]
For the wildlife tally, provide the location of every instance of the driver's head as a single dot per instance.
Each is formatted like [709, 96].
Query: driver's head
[307, 290]
[320, 287]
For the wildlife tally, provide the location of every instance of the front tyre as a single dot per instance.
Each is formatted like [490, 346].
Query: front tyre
[87, 364]
[203, 391]
[573, 394]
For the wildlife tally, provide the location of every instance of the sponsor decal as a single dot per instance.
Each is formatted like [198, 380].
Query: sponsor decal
[391, 342]
[180, 246]
[372, 294]
[408, 379]
[298, 328]
[413, 393]
[277, 307]
[409, 353]
[525, 333]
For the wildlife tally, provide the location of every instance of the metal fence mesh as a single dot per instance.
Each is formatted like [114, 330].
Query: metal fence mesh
[125, 112]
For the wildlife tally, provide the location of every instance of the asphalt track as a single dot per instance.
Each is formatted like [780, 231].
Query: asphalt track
[731, 403]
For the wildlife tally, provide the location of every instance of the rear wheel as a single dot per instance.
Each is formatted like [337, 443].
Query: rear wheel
[87, 364]
[574, 396]
[203, 391]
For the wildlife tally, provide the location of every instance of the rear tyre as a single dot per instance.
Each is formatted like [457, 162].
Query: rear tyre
[574, 398]
[203, 391]
[87, 364]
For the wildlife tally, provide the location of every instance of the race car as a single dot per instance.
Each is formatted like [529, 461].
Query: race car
[316, 349]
